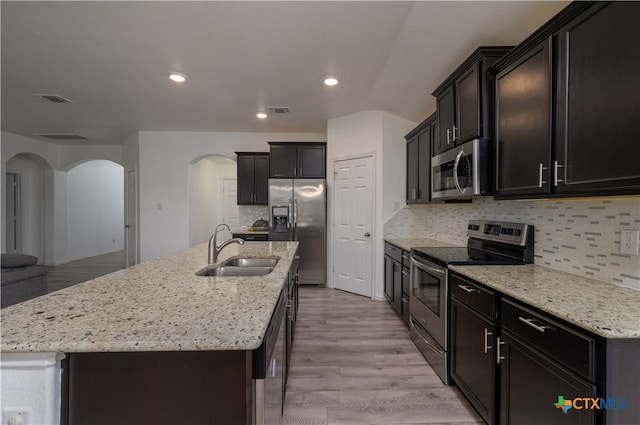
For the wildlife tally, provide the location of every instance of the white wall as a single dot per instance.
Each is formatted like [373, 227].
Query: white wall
[31, 205]
[164, 179]
[382, 135]
[95, 209]
[206, 196]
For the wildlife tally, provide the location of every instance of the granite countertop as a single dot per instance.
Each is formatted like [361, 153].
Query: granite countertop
[408, 243]
[159, 305]
[605, 309]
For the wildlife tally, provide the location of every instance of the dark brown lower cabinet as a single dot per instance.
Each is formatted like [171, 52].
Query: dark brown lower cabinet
[473, 363]
[209, 387]
[531, 384]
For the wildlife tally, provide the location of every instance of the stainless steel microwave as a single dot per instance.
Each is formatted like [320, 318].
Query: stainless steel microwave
[463, 172]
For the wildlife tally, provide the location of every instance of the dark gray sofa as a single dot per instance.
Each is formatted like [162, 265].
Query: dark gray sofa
[21, 279]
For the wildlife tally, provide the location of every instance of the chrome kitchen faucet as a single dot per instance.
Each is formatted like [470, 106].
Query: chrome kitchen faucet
[214, 249]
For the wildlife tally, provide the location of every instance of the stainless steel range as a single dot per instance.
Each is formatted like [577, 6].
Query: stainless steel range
[490, 242]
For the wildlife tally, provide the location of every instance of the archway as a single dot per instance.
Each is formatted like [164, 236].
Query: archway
[25, 207]
[95, 209]
[211, 196]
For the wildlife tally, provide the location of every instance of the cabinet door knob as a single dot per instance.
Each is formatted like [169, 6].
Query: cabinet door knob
[367, 234]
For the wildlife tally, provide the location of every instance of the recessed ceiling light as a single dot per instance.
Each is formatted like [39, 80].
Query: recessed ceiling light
[177, 77]
[331, 81]
[261, 115]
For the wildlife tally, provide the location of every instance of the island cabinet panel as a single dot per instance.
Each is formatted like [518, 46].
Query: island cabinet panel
[209, 387]
[599, 100]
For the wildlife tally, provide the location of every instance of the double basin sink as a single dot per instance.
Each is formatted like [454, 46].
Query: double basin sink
[240, 267]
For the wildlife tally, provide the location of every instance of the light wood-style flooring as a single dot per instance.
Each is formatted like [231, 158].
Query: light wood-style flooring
[73, 272]
[353, 363]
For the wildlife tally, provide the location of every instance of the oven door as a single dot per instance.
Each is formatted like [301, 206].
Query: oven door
[428, 304]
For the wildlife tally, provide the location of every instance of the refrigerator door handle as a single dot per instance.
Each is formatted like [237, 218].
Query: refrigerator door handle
[290, 214]
[295, 219]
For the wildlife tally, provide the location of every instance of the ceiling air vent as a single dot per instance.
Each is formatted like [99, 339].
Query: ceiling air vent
[279, 109]
[63, 136]
[55, 98]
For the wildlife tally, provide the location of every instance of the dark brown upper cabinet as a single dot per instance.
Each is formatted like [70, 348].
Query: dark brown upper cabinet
[567, 106]
[598, 104]
[253, 178]
[419, 145]
[464, 100]
[523, 123]
[298, 160]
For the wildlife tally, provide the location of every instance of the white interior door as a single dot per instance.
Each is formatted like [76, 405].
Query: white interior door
[353, 224]
[230, 209]
[131, 225]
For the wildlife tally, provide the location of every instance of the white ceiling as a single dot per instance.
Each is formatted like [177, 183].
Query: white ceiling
[112, 58]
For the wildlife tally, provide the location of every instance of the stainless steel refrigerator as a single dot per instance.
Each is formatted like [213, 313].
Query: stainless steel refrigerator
[298, 212]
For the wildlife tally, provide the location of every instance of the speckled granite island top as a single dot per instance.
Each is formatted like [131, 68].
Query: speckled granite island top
[159, 305]
[602, 308]
[408, 243]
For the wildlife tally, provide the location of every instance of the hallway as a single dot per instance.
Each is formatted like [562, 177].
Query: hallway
[73, 272]
[353, 363]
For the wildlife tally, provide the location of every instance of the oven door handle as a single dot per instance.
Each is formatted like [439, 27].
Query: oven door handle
[426, 267]
[455, 171]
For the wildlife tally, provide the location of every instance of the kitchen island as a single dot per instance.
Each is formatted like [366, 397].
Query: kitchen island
[175, 334]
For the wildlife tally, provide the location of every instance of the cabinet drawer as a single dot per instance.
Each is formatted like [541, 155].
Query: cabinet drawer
[475, 296]
[569, 347]
[393, 252]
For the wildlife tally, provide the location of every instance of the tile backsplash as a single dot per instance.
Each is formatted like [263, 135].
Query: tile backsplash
[579, 236]
[249, 214]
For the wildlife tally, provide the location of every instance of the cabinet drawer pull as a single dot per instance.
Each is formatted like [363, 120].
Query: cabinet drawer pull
[487, 334]
[533, 325]
[540, 170]
[466, 288]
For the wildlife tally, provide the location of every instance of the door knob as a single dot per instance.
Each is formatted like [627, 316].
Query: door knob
[367, 234]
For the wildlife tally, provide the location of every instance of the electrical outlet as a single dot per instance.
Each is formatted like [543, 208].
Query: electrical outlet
[15, 416]
[629, 241]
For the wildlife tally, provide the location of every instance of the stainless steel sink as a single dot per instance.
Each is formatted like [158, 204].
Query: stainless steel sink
[224, 270]
[240, 267]
[251, 262]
